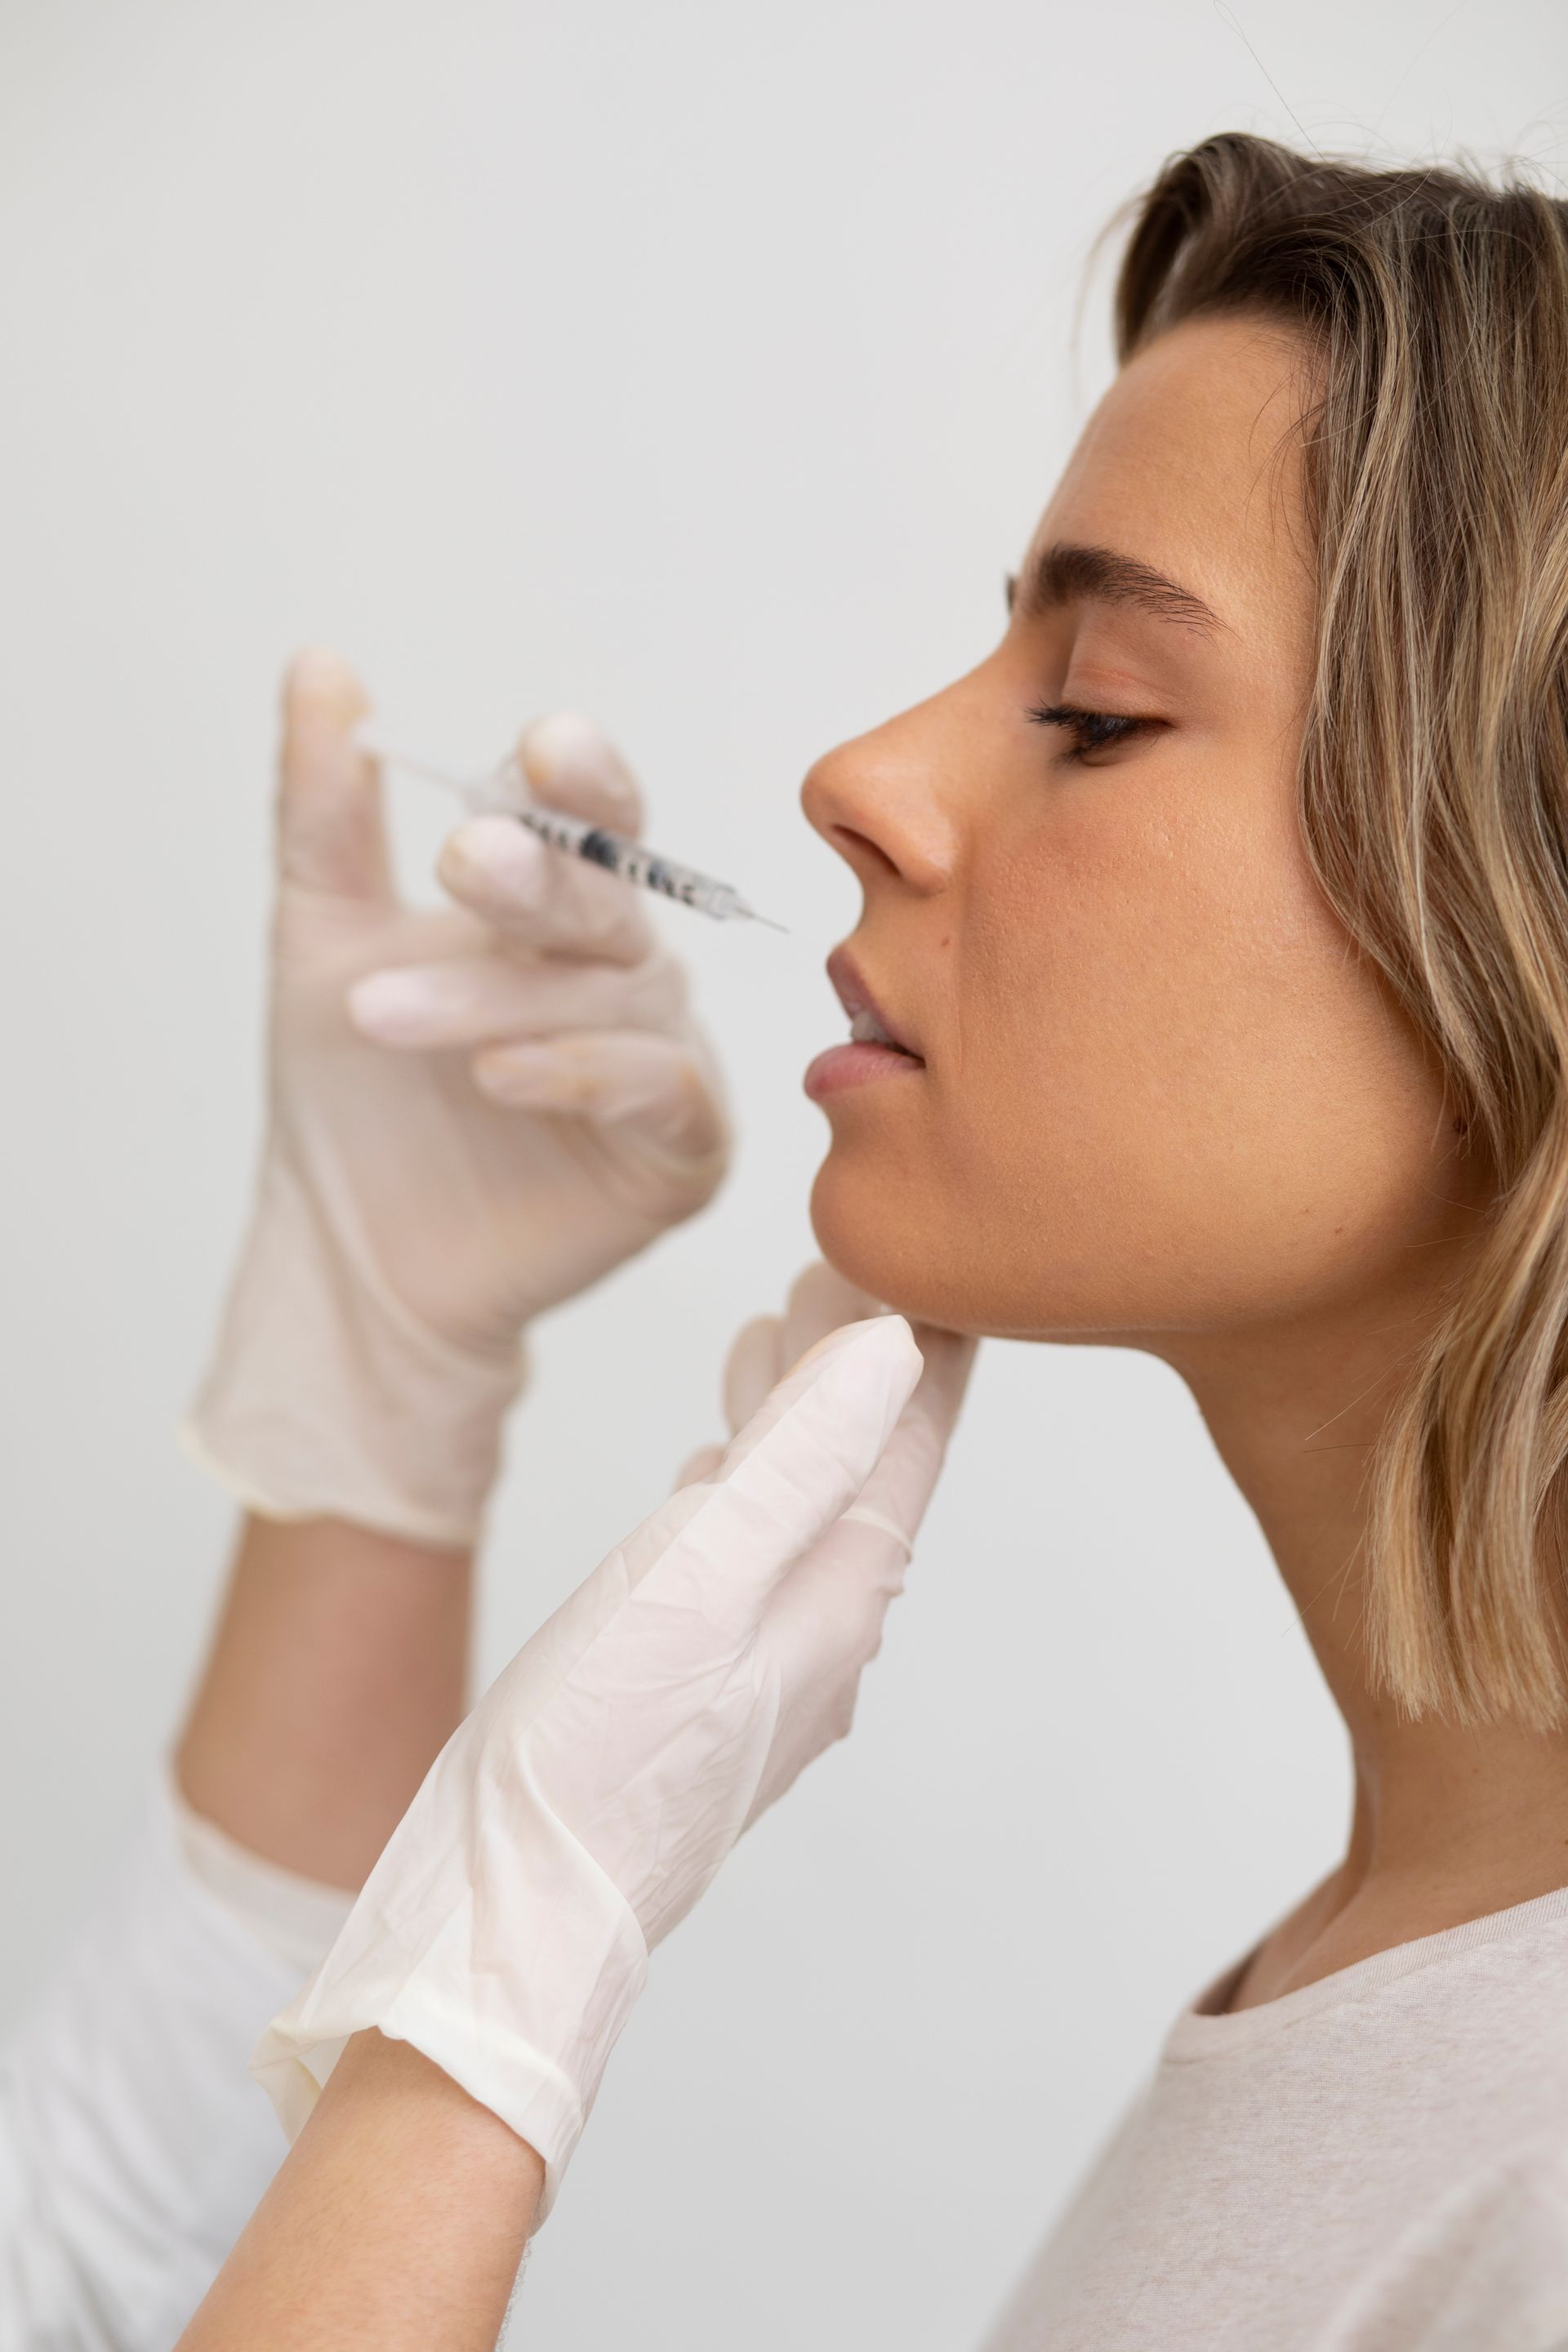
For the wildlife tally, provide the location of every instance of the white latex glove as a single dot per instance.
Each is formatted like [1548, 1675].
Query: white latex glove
[468, 1121]
[591, 1797]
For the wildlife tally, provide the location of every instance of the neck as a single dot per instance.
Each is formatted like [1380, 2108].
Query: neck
[1448, 1824]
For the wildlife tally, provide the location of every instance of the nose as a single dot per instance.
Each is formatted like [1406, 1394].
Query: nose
[878, 801]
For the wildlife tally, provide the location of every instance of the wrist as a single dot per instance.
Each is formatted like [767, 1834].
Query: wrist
[397, 2221]
[477, 1854]
[391, 2090]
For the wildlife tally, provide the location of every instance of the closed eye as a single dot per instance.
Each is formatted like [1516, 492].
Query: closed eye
[1091, 730]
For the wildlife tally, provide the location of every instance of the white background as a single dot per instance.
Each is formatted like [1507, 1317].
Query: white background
[705, 367]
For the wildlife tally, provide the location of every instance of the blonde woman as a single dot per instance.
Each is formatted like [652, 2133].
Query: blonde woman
[1210, 997]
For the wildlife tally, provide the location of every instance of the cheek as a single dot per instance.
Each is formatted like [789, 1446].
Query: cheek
[1172, 1094]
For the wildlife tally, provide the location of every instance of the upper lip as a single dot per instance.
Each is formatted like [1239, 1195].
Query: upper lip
[854, 995]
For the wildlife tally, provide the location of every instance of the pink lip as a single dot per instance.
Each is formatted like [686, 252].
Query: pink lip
[854, 1064]
[854, 996]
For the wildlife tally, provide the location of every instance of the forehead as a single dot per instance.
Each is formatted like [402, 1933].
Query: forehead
[1192, 463]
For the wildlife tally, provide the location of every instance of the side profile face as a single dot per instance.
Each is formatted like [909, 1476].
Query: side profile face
[1157, 1090]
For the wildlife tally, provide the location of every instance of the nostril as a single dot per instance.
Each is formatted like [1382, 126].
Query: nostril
[850, 843]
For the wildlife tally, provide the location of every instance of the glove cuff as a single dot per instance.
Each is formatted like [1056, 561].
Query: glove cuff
[430, 1954]
[325, 1398]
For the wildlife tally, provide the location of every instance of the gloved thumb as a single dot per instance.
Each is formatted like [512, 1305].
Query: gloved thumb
[331, 835]
[792, 1470]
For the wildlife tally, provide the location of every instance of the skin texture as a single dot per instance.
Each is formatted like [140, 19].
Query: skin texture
[337, 1672]
[1160, 1096]
[1164, 1103]
[397, 2221]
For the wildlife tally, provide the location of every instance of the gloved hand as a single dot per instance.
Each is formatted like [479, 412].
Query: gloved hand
[591, 1797]
[474, 1113]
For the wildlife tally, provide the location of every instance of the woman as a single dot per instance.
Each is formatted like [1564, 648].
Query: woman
[1212, 998]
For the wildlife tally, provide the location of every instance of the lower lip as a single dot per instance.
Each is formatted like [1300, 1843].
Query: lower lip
[855, 1065]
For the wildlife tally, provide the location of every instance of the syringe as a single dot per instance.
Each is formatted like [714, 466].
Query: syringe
[504, 793]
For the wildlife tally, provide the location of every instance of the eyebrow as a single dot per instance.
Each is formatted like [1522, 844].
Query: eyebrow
[1067, 574]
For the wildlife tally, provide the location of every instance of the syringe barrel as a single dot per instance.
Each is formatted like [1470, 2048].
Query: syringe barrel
[504, 791]
[632, 860]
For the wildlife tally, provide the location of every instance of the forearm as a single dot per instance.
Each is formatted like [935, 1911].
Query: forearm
[335, 1675]
[398, 2221]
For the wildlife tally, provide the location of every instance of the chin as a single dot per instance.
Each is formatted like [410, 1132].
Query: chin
[968, 1270]
[871, 1232]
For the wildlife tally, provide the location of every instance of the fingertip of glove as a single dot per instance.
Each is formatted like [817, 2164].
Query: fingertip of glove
[319, 677]
[865, 1377]
[567, 735]
[881, 1348]
[568, 758]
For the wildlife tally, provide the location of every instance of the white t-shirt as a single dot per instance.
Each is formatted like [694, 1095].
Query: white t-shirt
[134, 2143]
[1377, 2162]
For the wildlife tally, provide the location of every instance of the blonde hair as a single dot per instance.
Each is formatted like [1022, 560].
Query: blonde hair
[1434, 802]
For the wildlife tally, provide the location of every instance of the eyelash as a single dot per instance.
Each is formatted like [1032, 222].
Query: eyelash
[1091, 730]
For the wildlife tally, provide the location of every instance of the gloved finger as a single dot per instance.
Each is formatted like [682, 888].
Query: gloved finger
[472, 1000]
[331, 835]
[407, 936]
[896, 1494]
[825, 1625]
[700, 1465]
[842, 1589]
[572, 764]
[788, 1474]
[646, 1085]
[760, 1353]
[755, 1363]
[820, 1299]
[826, 1622]
[555, 903]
